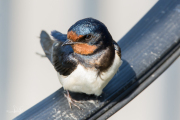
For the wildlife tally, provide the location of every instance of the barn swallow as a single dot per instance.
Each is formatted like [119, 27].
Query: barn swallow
[86, 58]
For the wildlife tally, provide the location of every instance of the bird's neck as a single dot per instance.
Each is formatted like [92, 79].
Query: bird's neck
[101, 60]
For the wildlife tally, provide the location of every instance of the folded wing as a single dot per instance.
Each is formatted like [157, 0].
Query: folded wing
[60, 56]
[117, 48]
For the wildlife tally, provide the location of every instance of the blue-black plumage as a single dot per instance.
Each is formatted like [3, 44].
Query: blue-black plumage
[85, 59]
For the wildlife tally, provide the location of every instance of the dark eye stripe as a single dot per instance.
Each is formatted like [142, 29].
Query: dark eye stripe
[88, 37]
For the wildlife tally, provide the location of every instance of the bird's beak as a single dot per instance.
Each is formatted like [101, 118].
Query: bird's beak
[68, 42]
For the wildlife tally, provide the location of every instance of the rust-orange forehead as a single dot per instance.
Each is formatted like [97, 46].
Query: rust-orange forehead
[73, 36]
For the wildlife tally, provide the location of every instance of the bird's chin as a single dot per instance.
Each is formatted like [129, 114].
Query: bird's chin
[84, 49]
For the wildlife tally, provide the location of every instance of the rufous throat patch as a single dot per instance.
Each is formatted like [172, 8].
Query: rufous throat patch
[84, 48]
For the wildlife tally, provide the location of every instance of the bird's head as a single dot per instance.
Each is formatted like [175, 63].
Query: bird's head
[87, 36]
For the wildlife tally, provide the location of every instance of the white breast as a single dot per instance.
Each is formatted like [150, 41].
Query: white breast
[86, 80]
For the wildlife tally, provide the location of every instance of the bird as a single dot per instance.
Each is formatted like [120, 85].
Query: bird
[86, 58]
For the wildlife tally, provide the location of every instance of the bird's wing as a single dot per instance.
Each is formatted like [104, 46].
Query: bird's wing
[59, 36]
[117, 48]
[60, 56]
[46, 44]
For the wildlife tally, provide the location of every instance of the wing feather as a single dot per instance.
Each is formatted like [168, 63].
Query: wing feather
[60, 56]
[117, 48]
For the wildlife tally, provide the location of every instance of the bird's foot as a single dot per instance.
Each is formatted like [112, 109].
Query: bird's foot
[71, 100]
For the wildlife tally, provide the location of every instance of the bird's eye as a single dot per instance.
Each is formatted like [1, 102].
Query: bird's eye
[88, 37]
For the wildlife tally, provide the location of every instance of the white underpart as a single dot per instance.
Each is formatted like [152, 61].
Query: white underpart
[85, 80]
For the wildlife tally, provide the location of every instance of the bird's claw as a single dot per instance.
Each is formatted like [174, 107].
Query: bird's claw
[72, 101]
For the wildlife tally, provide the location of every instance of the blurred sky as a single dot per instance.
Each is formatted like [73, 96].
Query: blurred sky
[26, 79]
